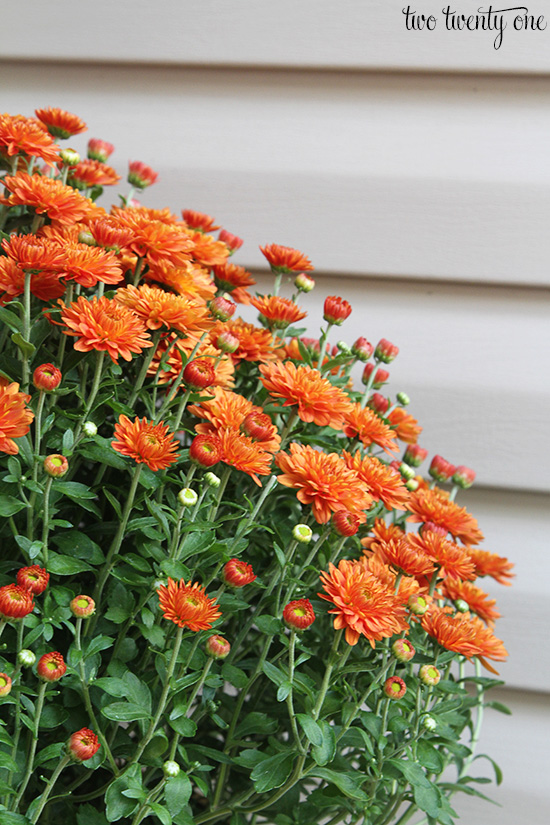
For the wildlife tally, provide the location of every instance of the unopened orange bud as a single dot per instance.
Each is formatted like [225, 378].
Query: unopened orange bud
[231, 241]
[345, 523]
[217, 647]
[336, 310]
[5, 684]
[82, 606]
[46, 377]
[299, 615]
[51, 667]
[140, 175]
[429, 675]
[402, 650]
[83, 745]
[237, 573]
[56, 465]
[395, 687]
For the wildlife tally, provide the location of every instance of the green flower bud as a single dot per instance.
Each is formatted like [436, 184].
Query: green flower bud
[26, 658]
[170, 769]
[302, 533]
[187, 497]
[212, 480]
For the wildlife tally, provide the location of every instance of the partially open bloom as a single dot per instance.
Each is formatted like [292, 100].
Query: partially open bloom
[395, 687]
[441, 469]
[82, 745]
[56, 465]
[15, 601]
[199, 373]
[51, 667]
[46, 377]
[5, 684]
[104, 325]
[434, 505]
[406, 426]
[382, 482]
[463, 477]
[15, 417]
[145, 442]
[232, 241]
[415, 455]
[278, 312]
[187, 605]
[82, 606]
[385, 351]
[418, 604]
[429, 675]
[100, 150]
[233, 279]
[205, 450]
[222, 308]
[299, 615]
[89, 173]
[490, 564]
[217, 647]
[364, 424]
[403, 650]
[316, 398]
[451, 559]
[34, 578]
[380, 376]
[140, 175]
[26, 136]
[362, 349]
[199, 221]
[345, 524]
[59, 123]
[237, 573]
[187, 497]
[285, 259]
[336, 310]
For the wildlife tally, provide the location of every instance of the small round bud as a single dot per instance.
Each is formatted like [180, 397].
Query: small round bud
[406, 471]
[140, 175]
[89, 428]
[46, 377]
[158, 583]
[336, 310]
[26, 658]
[429, 723]
[69, 157]
[299, 615]
[237, 573]
[170, 769]
[345, 523]
[33, 578]
[257, 425]
[187, 497]
[205, 450]
[403, 650]
[86, 238]
[100, 150]
[395, 687]
[344, 348]
[418, 604]
[212, 480]
[415, 455]
[412, 485]
[232, 241]
[441, 469]
[403, 399]
[51, 667]
[83, 745]
[429, 675]
[385, 351]
[222, 308]
[462, 606]
[217, 647]
[56, 465]
[303, 282]
[464, 477]
[379, 403]
[362, 349]
[302, 533]
[380, 376]
[82, 607]
[199, 373]
[227, 342]
[5, 684]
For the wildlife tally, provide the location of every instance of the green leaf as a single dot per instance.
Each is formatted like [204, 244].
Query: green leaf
[412, 772]
[7, 762]
[113, 502]
[26, 347]
[272, 772]
[100, 450]
[284, 690]
[125, 712]
[274, 674]
[177, 792]
[88, 815]
[183, 726]
[429, 757]
[235, 676]
[119, 805]
[500, 707]
[161, 812]
[65, 565]
[11, 320]
[326, 751]
[496, 768]
[311, 729]
[9, 818]
[117, 614]
[51, 752]
[256, 722]
[75, 543]
[74, 489]
[98, 644]
[10, 505]
[345, 782]
[268, 624]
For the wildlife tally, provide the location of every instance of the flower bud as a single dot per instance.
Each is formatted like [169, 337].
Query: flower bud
[86, 238]
[429, 675]
[26, 658]
[407, 472]
[227, 342]
[302, 533]
[378, 403]
[403, 399]
[303, 282]
[15, 601]
[429, 723]
[463, 477]
[395, 687]
[222, 308]
[199, 374]
[46, 377]
[232, 241]
[69, 157]
[51, 667]
[205, 450]
[217, 647]
[82, 607]
[385, 351]
[89, 428]
[344, 348]
[82, 745]
[403, 650]
[5, 684]
[170, 769]
[462, 606]
[441, 469]
[299, 615]
[56, 465]
[100, 150]
[418, 604]
[412, 485]
[380, 376]
[33, 578]
[362, 349]
[415, 455]
[257, 425]
[345, 523]
[237, 573]
[187, 497]
[140, 175]
[336, 310]
[212, 480]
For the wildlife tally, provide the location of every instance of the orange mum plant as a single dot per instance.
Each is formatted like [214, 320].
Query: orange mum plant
[216, 541]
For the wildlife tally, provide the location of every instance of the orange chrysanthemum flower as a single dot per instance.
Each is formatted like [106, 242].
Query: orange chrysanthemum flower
[59, 202]
[198, 221]
[324, 481]
[410, 560]
[234, 279]
[317, 399]
[190, 279]
[408, 586]
[278, 312]
[479, 602]
[179, 352]
[15, 416]
[33, 254]
[26, 136]
[228, 410]
[255, 343]
[489, 564]
[206, 250]
[145, 442]
[104, 325]
[88, 173]
[383, 482]
[158, 309]
[368, 427]
[108, 234]
[435, 506]
[59, 123]
[187, 605]
[89, 265]
[382, 533]
[154, 240]
[463, 634]
[242, 453]
[285, 259]
[453, 561]
[406, 427]
[490, 646]
[363, 606]
[44, 285]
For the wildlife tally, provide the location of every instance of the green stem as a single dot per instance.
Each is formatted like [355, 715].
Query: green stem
[48, 789]
[145, 366]
[34, 743]
[333, 657]
[137, 270]
[93, 392]
[289, 698]
[26, 330]
[181, 410]
[46, 520]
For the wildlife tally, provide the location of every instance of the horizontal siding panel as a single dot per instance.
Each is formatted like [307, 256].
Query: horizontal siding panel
[463, 362]
[339, 165]
[352, 34]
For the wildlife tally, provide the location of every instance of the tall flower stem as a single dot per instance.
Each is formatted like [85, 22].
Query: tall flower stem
[34, 742]
[96, 381]
[46, 519]
[332, 659]
[181, 410]
[63, 762]
[290, 698]
[145, 366]
[26, 330]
